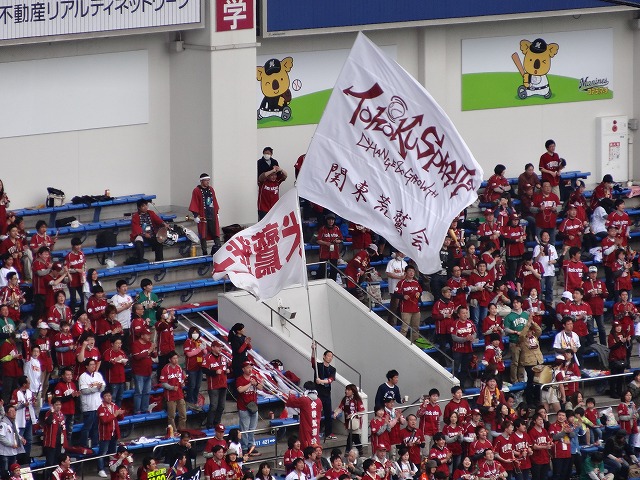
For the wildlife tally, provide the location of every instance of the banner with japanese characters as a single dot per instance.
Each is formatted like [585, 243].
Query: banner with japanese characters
[386, 156]
[266, 257]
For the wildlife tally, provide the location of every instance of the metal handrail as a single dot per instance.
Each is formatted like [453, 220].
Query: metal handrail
[398, 319]
[310, 338]
[585, 380]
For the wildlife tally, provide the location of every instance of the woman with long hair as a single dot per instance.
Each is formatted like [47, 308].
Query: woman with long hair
[240, 346]
[92, 281]
[350, 405]
[264, 472]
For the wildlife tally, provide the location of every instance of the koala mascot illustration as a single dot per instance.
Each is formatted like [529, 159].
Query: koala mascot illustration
[274, 83]
[534, 69]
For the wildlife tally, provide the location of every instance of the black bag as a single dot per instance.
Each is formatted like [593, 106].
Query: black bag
[106, 238]
[65, 222]
[55, 197]
[230, 230]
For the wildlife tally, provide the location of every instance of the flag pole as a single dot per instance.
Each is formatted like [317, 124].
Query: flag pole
[306, 284]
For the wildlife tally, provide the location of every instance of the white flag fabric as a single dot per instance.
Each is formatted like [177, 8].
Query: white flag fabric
[386, 156]
[266, 257]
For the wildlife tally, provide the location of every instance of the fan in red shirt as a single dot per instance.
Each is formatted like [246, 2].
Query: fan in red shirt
[550, 164]
[602, 190]
[329, 239]
[63, 344]
[408, 292]
[626, 313]
[574, 270]
[216, 366]
[337, 469]
[59, 312]
[581, 313]
[529, 275]
[215, 467]
[291, 454]
[453, 433]
[490, 398]
[413, 439]
[360, 237]
[96, 306]
[12, 296]
[116, 358]
[458, 405]
[75, 263]
[595, 293]
[269, 189]
[488, 467]
[379, 426]
[442, 314]
[481, 286]
[108, 328]
[459, 286]
[504, 448]
[218, 439]
[559, 432]
[429, 413]
[54, 432]
[310, 414]
[497, 184]
[542, 444]
[489, 231]
[12, 246]
[86, 349]
[617, 342]
[67, 391]
[514, 236]
[142, 352]
[620, 218]
[622, 271]
[173, 379]
[522, 445]
[546, 205]
[463, 334]
[440, 453]
[482, 443]
[40, 268]
[108, 428]
[571, 229]
[358, 265]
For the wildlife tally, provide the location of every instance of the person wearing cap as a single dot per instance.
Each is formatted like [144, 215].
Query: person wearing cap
[384, 467]
[395, 273]
[529, 275]
[310, 407]
[497, 184]
[266, 162]
[408, 292]
[247, 386]
[550, 165]
[604, 190]
[142, 353]
[358, 266]
[330, 239]
[44, 341]
[574, 270]
[218, 439]
[55, 432]
[145, 224]
[204, 208]
[173, 379]
[122, 458]
[595, 293]
[269, 189]
[489, 231]
[75, 263]
[217, 367]
[546, 205]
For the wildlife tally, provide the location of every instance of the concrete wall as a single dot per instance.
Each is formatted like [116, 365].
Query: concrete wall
[512, 136]
[343, 325]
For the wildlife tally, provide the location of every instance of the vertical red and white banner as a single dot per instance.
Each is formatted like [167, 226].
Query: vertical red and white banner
[266, 257]
[386, 156]
[234, 15]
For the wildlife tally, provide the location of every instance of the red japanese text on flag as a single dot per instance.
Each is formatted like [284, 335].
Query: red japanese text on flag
[386, 156]
[266, 257]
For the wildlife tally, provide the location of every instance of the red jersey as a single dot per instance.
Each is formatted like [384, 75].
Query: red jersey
[108, 427]
[629, 426]
[429, 416]
[289, 456]
[493, 358]
[75, 261]
[463, 328]
[562, 447]
[490, 469]
[573, 273]
[379, 433]
[617, 347]
[547, 204]
[65, 391]
[13, 367]
[492, 325]
[55, 429]
[459, 286]
[483, 296]
[39, 265]
[551, 162]
[540, 457]
[212, 442]
[330, 235]
[527, 278]
[268, 194]
[166, 342]
[15, 249]
[58, 314]
[595, 293]
[356, 267]
[609, 247]
[11, 297]
[512, 236]
[174, 376]
[503, 447]
[214, 470]
[80, 368]
[106, 331]
[442, 314]
[451, 432]
[360, 236]
[412, 439]
[487, 229]
[213, 364]
[440, 456]
[571, 228]
[139, 325]
[623, 222]
[521, 443]
[580, 313]
[412, 290]
[622, 276]
[141, 363]
[115, 371]
[478, 447]
[194, 351]
[249, 395]
[495, 181]
[310, 414]
[462, 408]
[95, 310]
[38, 241]
[46, 362]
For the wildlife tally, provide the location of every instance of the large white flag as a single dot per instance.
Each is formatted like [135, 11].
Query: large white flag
[386, 156]
[266, 257]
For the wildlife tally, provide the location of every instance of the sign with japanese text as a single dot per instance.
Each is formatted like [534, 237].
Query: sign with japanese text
[386, 156]
[266, 257]
[234, 15]
[157, 474]
[24, 19]
[537, 69]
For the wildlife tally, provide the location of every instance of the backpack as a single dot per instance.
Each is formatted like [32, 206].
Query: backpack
[106, 238]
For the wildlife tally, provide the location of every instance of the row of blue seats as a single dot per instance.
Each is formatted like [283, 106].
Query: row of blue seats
[127, 270]
[104, 250]
[69, 207]
[93, 227]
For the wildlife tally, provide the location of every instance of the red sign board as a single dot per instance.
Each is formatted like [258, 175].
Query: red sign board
[234, 15]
